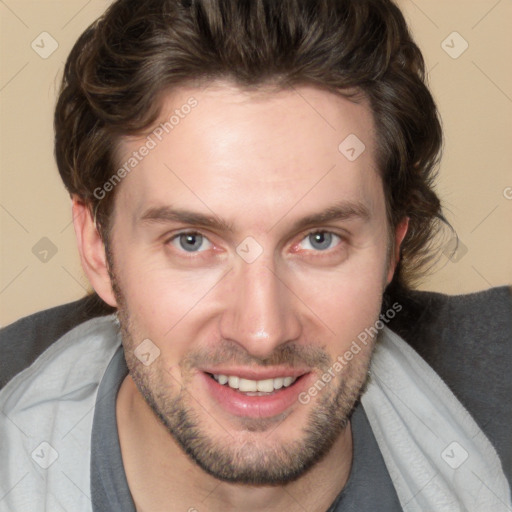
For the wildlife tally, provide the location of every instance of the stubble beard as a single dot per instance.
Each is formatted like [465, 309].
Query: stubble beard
[252, 462]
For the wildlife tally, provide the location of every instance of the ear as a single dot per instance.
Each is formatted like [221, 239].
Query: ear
[92, 252]
[400, 232]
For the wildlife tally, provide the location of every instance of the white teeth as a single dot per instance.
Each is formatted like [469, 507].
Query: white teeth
[278, 383]
[233, 382]
[223, 379]
[266, 385]
[288, 381]
[245, 385]
[248, 386]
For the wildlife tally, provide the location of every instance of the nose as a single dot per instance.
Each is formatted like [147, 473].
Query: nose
[261, 310]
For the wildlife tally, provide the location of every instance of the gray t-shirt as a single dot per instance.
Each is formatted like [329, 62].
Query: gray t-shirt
[369, 486]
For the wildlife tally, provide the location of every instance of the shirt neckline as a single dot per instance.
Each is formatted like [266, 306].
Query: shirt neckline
[369, 486]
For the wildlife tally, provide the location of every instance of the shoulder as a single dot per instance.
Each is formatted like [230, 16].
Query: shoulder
[55, 396]
[457, 328]
[467, 340]
[23, 341]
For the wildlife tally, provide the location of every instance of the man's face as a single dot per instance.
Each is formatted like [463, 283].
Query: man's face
[248, 248]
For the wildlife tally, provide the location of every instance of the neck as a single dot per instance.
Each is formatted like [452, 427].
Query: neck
[159, 472]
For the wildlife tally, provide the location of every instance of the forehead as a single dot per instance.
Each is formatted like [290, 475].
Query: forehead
[228, 150]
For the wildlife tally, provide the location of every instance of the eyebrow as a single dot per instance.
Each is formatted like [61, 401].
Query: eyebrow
[344, 210]
[165, 214]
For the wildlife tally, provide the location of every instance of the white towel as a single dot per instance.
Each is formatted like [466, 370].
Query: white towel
[438, 457]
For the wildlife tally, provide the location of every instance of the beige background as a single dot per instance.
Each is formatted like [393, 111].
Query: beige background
[473, 91]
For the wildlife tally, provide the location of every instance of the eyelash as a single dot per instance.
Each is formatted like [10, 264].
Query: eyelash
[321, 232]
[341, 238]
[187, 233]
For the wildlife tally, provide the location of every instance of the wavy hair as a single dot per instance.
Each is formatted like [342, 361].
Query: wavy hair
[123, 64]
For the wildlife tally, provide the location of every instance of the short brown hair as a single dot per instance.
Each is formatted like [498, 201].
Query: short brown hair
[124, 62]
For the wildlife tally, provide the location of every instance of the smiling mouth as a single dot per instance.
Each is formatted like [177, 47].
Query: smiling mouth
[254, 387]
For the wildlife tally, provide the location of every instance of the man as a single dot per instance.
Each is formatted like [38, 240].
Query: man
[252, 195]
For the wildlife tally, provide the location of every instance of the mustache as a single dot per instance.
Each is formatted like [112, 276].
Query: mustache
[291, 355]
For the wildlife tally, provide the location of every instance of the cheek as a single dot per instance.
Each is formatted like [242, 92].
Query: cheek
[350, 308]
[346, 301]
[162, 302]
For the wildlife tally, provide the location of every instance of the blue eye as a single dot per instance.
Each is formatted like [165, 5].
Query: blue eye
[320, 241]
[191, 242]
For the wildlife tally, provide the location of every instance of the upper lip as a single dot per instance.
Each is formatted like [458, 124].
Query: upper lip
[257, 374]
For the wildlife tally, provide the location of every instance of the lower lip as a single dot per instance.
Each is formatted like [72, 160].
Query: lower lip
[265, 406]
